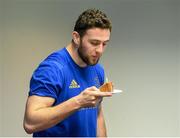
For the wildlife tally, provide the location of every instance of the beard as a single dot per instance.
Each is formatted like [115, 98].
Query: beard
[87, 59]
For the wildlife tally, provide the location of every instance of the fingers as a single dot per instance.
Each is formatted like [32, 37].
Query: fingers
[91, 97]
[96, 92]
[103, 94]
[93, 88]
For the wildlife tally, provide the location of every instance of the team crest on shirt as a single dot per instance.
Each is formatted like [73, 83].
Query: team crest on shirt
[74, 84]
[97, 83]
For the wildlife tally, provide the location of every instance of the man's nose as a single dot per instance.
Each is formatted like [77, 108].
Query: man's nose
[100, 48]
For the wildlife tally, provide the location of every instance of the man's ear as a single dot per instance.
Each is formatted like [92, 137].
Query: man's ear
[76, 38]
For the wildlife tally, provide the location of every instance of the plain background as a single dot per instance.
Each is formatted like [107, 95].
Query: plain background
[142, 59]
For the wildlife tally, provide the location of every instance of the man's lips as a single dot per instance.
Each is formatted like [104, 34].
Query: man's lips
[95, 57]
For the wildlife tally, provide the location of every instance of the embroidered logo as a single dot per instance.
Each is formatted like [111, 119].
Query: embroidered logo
[97, 83]
[74, 84]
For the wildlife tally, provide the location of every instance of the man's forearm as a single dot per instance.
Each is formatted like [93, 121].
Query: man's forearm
[47, 117]
[101, 126]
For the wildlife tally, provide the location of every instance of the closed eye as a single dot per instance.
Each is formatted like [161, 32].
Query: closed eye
[95, 43]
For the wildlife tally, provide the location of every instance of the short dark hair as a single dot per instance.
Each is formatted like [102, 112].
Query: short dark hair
[92, 18]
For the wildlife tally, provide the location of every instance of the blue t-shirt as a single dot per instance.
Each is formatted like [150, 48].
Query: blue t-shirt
[59, 77]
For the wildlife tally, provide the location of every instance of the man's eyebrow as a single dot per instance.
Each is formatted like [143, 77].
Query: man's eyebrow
[98, 40]
[106, 41]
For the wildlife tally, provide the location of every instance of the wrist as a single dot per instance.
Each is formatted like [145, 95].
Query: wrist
[77, 102]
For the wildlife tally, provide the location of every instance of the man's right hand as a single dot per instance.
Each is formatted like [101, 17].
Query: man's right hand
[91, 97]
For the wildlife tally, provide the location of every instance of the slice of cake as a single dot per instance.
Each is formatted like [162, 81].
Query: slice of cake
[106, 87]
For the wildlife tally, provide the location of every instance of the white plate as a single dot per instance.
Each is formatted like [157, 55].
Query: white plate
[117, 91]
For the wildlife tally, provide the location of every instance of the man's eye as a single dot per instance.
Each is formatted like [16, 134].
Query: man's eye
[94, 43]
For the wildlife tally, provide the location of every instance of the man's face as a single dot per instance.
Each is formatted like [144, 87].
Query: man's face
[93, 44]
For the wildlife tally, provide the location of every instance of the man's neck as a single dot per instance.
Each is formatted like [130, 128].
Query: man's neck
[73, 51]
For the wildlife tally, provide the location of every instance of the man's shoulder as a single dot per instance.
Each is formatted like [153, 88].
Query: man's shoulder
[56, 60]
[57, 57]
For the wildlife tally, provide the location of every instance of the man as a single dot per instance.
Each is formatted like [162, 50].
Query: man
[64, 99]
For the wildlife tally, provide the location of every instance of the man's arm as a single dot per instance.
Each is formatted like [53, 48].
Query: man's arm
[101, 126]
[40, 114]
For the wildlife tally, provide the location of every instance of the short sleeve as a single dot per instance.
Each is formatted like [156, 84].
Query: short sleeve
[47, 80]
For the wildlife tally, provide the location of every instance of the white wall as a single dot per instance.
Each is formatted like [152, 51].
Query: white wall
[142, 59]
[1, 11]
[178, 45]
[144, 63]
